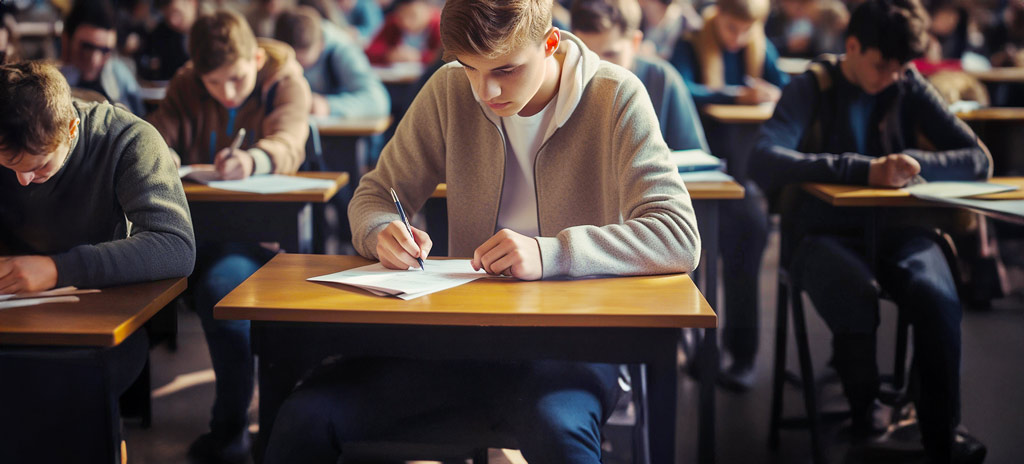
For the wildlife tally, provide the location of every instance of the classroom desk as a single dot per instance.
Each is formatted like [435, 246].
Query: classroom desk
[39, 29]
[739, 114]
[792, 66]
[1005, 75]
[617, 320]
[707, 198]
[1000, 114]
[224, 215]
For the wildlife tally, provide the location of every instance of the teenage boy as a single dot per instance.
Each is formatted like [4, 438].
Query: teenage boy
[867, 118]
[89, 200]
[88, 43]
[233, 82]
[337, 70]
[555, 168]
[166, 49]
[611, 28]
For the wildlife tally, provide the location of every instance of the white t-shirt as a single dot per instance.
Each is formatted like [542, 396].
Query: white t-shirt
[523, 138]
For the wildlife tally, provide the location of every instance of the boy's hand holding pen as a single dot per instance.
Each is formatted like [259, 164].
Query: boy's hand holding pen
[232, 163]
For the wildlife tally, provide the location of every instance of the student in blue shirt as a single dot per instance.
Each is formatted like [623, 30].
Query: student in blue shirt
[611, 28]
[867, 118]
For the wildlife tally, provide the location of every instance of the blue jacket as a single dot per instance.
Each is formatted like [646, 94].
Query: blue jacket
[684, 58]
[680, 124]
[343, 75]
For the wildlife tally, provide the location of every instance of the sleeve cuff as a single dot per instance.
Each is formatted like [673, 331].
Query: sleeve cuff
[859, 168]
[554, 260]
[261, 161]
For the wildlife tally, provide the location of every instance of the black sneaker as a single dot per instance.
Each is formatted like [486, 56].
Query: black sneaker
[967, 449]
[209, 449]
[738, 377]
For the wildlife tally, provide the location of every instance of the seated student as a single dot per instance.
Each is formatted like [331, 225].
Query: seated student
[88, 43]
[520, 96]
[807, 28]
[166, 48]
[611, 28]
[664, 21]
[73, 173]
[364, 16]
[263, 14]
[232, 82]
[411, 34]
[730, 60]
[338, 72]
[866, 118]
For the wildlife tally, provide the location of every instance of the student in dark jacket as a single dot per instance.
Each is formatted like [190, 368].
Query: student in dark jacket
[867, 119]
[166, 49]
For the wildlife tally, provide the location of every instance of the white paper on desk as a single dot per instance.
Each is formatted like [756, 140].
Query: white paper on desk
[695, 160]
[705, 176]
[62, 291]
[440, 274]
[17, 303]
[1007, 207]
[201, 173]
[957, 189]
[272, 183]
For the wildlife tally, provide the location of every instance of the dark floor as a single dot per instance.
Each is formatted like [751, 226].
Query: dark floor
[993, 391]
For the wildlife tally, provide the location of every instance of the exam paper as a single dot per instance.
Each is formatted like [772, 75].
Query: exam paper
[272, 183]
[440, 274]
[705, 176]
[17, 303]
[70, 290]
[957, 189]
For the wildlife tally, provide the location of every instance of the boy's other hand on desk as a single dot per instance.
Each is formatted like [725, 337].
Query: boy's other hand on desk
[397, 250]
[895, 170]
[319, 106]
[20, 274]
[758, 91]
[238, 165]
[509, 253]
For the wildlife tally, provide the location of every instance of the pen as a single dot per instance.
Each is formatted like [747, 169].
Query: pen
[237, 143]
[405, 219]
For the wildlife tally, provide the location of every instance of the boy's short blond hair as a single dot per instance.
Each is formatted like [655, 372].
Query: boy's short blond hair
[748, 10]
[219, 39]
[37, 109]
[600, 16]
[491, 28]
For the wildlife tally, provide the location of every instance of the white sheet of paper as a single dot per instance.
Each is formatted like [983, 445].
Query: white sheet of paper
[272, 183]
[70, 290]
[1007, 207]
[17, 303]
[440, 274]
[201, 173]
[705, 176]
[957, 189]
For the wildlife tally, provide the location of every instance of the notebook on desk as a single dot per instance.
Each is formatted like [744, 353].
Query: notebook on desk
[696, 160]
[206, 174]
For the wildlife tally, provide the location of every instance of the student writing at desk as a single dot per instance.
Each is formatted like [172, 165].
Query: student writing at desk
[89, 200]
[867, 118]
[232, 82]
[528, 198]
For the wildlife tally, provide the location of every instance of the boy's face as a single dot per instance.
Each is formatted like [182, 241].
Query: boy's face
[180, 14]
[733, 33]
[871, 72]
[309, 56]
[613, 45]
[36, 169]
[232, 83]
[90, 49]
[509, 82]
[413, 17]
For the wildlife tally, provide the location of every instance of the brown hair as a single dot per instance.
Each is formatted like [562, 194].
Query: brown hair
[38, 110]
[596, 16]
[219, 39]
[709, 50]
[299, 27]
[491, 28]
[747, 10]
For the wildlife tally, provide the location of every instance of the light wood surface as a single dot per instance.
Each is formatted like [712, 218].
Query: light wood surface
[279, 292]
[858, 195]
[792, 66]
[351, 127]
[99, 319]
[698, 190]
[1009, 114]
[1007, 75]
[739, 114]
[195, 192]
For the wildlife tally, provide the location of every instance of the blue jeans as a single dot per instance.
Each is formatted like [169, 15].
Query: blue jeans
[552, 410]
[219, 269]
[914, 271]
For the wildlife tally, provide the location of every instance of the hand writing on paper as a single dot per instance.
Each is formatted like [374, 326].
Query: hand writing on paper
[511, 254]
[397, 250]
[758, 91]
[894, 170]
[20, 274]
[234, 164]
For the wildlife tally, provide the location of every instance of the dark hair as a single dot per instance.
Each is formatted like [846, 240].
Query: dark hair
[96, 13]
[598, 16]
[298, 27]
[218, 39]
[38, 110]
[492, 28]
[898, 29]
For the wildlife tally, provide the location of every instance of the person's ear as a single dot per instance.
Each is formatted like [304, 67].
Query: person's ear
[551, 42]
[261, 57]
[852, 46]
[73, 129]
[637, 39]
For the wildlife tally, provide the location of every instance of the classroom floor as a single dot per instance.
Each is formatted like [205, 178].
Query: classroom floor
[993, 390]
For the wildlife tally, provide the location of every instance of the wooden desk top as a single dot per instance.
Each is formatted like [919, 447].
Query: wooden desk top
[993, 114]
[792, 66]
[39, 29]
[99, 319]
[698, 190]
[195, 192]
[351, 127]
[279, 292]
[399, 73]
[858, 195]
[739, 114]
[1005, 75]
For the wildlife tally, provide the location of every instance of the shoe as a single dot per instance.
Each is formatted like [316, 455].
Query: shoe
[738, 377]
[967, 449]
[209, 449]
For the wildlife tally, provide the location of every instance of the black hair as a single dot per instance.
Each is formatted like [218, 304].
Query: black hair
[898, 29]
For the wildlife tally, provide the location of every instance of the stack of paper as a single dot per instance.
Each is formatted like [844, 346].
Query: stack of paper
[57, 295]
[953, 189]
[437, 275]
[263, 183]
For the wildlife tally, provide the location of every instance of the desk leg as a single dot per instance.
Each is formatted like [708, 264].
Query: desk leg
[304, 237]
[708, 350]
[663, 388]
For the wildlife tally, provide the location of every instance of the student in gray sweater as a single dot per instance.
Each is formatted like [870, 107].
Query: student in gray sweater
[338, 71]
[90, 199]
[555, 168]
